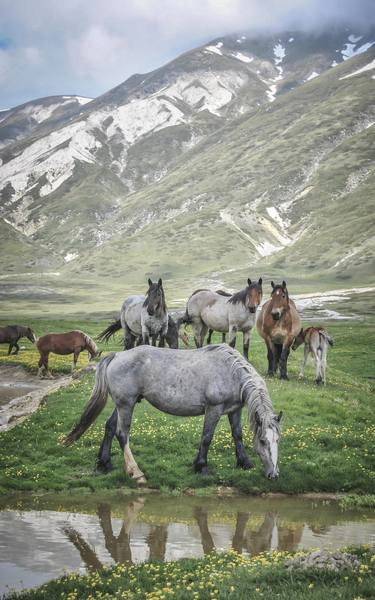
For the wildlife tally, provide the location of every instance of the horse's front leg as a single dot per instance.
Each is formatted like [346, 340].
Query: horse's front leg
[10, 348]
[211, 418]
[232, 335]
[75, 358]
[284, 360]
[145, 336]
[271, 356]
[246, 343]
[243, 460]
[16, 346]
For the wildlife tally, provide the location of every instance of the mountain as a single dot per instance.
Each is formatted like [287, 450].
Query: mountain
[248, 154]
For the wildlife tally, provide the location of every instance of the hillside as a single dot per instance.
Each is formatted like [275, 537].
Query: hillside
[242, 156]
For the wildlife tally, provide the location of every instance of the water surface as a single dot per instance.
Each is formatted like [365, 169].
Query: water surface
[40, 540]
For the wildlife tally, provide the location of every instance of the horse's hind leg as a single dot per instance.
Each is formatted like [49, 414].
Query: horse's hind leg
[125, 407]
[243, 460]
[212, 416]
[10, 348]
[129, 339]
[304, 361]
[103, 463]
[200, 330]
[318, 366]
[16, 346]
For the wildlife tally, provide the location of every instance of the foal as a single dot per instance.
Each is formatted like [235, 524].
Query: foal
[316, 340]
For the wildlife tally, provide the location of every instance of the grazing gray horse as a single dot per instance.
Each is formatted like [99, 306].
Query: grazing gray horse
[142, 317]
[213, 310]
[212, 381]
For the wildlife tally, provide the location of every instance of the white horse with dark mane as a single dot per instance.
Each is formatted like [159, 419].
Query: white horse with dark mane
[207, 310]
[212, 381]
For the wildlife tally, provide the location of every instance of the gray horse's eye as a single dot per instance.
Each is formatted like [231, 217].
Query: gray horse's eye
[263, 442]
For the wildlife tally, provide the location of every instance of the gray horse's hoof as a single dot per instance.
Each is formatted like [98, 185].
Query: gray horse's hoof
[103, 468]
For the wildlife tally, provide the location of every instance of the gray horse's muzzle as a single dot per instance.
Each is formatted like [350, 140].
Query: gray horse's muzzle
[252, 309]
[273, 474]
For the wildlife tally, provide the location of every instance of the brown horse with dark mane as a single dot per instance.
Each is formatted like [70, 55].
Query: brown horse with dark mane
[10, 334]
[278, 324]
[71, 342]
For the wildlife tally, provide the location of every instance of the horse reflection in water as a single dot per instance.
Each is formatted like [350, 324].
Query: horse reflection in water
[268, 536]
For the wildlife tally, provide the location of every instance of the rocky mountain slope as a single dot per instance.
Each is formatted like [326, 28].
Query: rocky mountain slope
[244, 154]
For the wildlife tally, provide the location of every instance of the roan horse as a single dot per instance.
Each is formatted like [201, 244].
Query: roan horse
[215, 380]
[10, 334]
[316, 341]
[145, 316]
[278, 324]
[71, 342]
[212, 310]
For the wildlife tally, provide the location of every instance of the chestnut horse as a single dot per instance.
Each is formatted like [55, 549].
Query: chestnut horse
[278, 324]
[71, 342]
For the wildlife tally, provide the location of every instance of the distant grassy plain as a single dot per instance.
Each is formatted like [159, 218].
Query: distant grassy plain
[327, 443]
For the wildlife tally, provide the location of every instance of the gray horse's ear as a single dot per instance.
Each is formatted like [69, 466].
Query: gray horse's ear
[149, 282]
[160, 283]
[272, 285]
[249, 282]
[278, 418]
[260, 281]
[284, 285]
[257, 418]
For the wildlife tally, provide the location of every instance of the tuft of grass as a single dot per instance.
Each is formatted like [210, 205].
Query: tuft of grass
[357, 501]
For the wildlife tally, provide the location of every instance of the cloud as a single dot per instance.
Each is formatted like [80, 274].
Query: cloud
[84, 47]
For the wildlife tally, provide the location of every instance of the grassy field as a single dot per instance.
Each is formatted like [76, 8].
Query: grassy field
[327, 442]
[215, 577]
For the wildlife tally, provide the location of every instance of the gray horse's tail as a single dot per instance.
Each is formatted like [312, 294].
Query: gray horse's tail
[109, 331]
[96, 403]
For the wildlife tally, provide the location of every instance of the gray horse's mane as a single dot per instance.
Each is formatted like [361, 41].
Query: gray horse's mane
[253, 389]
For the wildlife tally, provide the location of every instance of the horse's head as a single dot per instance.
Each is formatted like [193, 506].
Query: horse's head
[30, 335]
[279, 300]
[299, 339]
[266, 444]
[254, 294]
[155, 297]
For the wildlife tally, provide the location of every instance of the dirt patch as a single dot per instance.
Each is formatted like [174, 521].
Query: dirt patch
[21, 393]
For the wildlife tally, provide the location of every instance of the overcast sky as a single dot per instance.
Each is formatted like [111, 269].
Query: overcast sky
[86, 47]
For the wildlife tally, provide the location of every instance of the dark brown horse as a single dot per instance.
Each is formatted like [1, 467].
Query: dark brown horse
[71, 342]
[10, 334]
[278, 324]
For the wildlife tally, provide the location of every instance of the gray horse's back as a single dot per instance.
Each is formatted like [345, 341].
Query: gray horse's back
[180, 382]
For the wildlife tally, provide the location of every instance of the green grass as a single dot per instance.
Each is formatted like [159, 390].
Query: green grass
[216, 576]
[327, 442]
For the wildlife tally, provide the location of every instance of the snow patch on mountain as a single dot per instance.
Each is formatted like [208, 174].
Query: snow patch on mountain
[367, 67]
[70, 256]
[243, 57]
[210, 90]
[214, 49]
[351, 50]
[312, 76]
[52, 156]
[279, 55]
